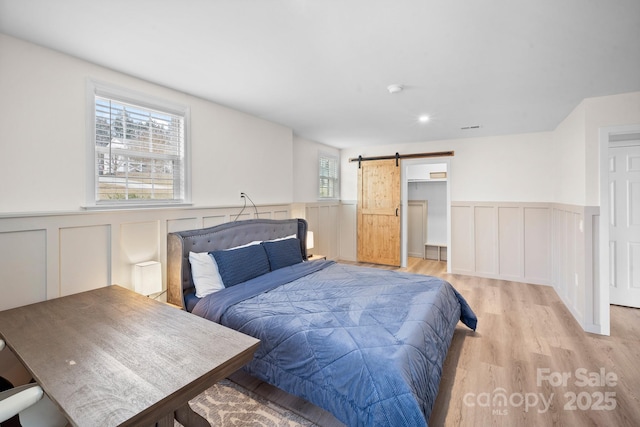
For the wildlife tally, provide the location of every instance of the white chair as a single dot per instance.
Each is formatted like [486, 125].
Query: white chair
[32, 406]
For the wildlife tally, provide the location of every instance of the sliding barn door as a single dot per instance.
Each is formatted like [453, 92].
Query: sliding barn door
[379, 212]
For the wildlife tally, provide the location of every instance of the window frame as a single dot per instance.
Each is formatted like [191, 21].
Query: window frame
[323, 155]
[119, 94]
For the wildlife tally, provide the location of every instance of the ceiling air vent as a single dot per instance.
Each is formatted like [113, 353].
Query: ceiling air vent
[470, 127]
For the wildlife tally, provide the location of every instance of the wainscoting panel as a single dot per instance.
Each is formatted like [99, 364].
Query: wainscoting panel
[510, 242]
[312, 215]
[561, 252]
[47, 255]
[323, 219]
[537, 244]
[571, 276]
[594, 300]
[85, 258]
[348, 226]
[213, 220]
[485, 233]
[139, 242]
[328, 221]
[502, 240]
[574, 265]
[463, 247]
[23, 260]
[281, 214]
[248, 213]
[181, 224]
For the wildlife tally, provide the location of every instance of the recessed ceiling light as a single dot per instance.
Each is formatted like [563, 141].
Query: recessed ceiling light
[395, 88]
[423, 119]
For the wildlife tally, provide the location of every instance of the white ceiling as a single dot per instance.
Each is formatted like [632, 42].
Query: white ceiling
[321, 67]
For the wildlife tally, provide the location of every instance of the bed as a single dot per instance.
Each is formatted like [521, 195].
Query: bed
[365, 344]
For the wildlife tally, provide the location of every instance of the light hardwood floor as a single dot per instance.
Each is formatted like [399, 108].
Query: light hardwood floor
[526, 341]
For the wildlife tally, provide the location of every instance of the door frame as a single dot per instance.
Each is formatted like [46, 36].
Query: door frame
[404, 196]
[602, 285]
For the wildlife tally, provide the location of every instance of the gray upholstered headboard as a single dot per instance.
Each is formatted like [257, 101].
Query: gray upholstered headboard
[223, 236]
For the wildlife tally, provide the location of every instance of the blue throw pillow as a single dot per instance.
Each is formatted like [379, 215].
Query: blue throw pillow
[283, 253]
[242, 264]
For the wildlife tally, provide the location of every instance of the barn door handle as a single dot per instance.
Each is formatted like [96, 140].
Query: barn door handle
[396, 211]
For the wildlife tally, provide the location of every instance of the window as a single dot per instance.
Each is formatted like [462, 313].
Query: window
[139, 149]
[328, 176]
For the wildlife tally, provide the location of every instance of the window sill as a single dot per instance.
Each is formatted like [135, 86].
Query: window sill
[135, 206]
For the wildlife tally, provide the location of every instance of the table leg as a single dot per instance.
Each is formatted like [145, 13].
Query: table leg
[166, 421]
[189, 418]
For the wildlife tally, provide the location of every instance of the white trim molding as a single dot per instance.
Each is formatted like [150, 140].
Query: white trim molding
[539, 243]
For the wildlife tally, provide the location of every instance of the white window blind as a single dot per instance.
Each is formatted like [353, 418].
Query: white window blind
[328, 176]
[139, 152]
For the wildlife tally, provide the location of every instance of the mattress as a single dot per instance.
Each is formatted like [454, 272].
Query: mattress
[365, 344]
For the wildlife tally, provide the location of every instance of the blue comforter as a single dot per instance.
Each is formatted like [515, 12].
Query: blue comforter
[365, 344]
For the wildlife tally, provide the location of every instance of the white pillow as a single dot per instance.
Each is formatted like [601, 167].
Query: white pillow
[204, 271]
[293, 236]
[255, 242]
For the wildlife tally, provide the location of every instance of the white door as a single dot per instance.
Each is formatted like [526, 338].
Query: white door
[624, 227]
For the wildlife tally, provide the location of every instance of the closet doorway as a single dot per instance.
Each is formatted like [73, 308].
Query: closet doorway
[427, 179]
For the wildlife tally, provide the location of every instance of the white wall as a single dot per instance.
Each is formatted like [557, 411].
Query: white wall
[500, 168]
[576, 145]
[43, 137]
[568, 156]
[561, 166]
[615, 110]
[305, 168]
[322, 216]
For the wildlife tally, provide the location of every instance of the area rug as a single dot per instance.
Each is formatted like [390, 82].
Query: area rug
[228, 404]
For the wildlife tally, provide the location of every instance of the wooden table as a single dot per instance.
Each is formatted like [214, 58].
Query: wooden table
[111, 357]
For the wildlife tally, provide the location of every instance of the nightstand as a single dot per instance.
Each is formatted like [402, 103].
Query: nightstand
[316, 257]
